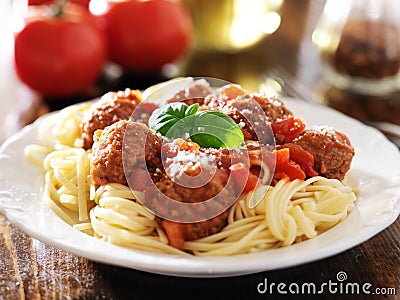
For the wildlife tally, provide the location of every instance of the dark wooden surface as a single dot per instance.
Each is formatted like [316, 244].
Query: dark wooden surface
[30, 269]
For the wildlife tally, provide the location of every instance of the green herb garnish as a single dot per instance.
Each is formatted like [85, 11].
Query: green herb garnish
[209, 129]
[173, 120]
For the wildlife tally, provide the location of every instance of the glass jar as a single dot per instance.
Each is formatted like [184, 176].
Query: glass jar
[359, 42]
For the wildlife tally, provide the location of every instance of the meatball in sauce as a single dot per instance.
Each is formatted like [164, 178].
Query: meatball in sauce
[331, 149]
[108, 165]
[112, 107]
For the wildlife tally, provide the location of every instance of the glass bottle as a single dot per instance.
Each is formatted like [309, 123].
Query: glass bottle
[359, 42]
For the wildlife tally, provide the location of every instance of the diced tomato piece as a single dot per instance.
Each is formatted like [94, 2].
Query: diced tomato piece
[239, 174]
[287, 130]
[232, 91]
[285, 166]
[170, 150]
[282, 156]
[269, 158]
[304, 158]
[189, 146]
[175, 233]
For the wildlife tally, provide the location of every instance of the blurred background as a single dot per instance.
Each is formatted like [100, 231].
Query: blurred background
[344, 54]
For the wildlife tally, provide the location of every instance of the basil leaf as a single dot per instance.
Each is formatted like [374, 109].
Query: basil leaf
[163, 119]
[209, 129]
[181, 128]
[214, 129]
[192, 109]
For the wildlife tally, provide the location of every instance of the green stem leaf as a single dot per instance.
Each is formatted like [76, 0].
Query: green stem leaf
[58, 8]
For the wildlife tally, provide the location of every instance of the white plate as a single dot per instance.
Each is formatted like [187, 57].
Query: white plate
[376, 167]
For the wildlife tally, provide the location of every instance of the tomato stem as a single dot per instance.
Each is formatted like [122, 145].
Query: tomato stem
[58, 8]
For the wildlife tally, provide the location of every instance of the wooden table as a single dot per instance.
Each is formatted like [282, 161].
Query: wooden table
[30, 269]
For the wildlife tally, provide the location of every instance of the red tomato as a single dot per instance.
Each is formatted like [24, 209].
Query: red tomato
[60, 56]
[145, 35]
[39, 2]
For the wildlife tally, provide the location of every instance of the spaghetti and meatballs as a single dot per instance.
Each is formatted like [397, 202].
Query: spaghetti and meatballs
[272, 182]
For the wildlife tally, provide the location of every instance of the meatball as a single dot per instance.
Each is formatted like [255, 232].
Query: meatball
[112, 107]
[254, 114]
[232, 95]
[178, 232]
[250, 117]
[195, 93]
[142, 152]
[273, 108]
[192, 176]
[331, 149]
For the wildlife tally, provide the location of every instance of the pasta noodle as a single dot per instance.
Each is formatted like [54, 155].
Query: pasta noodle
[268, 217]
